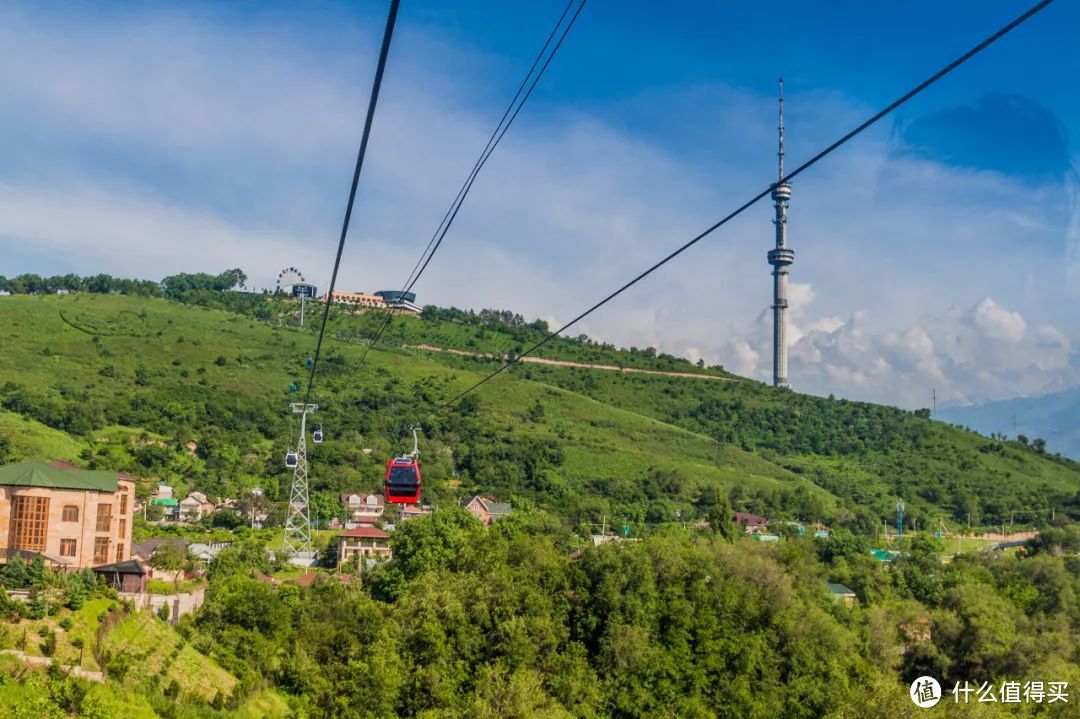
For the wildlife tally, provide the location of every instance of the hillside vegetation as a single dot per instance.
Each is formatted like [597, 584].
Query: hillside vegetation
[124, 381]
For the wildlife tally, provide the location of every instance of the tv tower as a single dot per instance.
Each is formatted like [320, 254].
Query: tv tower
[780, 258]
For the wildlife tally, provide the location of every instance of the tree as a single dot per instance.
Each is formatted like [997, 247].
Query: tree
[15, 575]
[721, 518]
[36, 571]
[171, 557]
[75, 591]
[1039, 444]
[36, 606]
[240, 558]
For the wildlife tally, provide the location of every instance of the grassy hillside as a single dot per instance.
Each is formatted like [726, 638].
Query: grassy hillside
[144, 651]
[22, 437]
[123, 381]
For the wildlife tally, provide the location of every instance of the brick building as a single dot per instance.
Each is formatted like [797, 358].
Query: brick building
[74, 518]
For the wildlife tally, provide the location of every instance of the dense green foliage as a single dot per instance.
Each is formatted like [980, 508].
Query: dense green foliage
[519, 621]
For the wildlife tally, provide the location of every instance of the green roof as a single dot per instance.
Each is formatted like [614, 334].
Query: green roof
[839, 589]
[33, 473]
[164, 501]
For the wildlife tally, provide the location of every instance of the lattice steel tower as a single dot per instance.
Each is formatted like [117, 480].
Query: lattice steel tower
[780, 258]
[298, 520]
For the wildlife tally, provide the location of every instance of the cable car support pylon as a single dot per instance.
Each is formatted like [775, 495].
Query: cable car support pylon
[298, 520]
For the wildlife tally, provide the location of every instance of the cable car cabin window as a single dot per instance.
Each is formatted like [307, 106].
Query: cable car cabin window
[403, 476]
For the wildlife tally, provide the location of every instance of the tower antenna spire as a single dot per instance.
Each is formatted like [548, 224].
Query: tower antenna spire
[780, 131]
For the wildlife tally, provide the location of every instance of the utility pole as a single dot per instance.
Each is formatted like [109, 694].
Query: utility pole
[302, 298]
[933, 398]
[297, 538]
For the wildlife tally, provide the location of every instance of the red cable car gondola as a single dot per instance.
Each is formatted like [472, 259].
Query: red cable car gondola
[402, 482]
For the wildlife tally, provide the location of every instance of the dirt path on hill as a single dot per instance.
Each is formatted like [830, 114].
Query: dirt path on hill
[567, 363]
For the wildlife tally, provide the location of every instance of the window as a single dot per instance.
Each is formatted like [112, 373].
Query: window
[67, 547]
[120, 551]
[104, 517]
[123, 502]
[123, 529]
[71, 513]
[29, 523]
[101, 550]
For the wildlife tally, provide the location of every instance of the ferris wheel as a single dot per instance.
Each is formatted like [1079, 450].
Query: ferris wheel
[288, 277]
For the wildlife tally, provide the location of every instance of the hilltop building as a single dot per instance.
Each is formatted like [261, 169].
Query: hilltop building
[74, 518]
[401, 301]
[357, 300]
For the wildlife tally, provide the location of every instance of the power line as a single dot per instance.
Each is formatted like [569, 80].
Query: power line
[497, 134]
[388, 34]
[764, 193]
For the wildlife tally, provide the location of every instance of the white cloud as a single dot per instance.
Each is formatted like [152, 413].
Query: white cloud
[997, 323]
[983, 352]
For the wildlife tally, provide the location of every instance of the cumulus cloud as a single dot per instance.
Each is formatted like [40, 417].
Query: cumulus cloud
[977, 353]
[995, 322]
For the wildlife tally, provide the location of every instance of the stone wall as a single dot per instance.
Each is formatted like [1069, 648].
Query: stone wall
[179, 604]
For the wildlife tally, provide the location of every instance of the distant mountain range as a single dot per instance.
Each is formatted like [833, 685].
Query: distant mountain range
[1054, 417]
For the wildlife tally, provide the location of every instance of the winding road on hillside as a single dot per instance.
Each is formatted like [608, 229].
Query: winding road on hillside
[567, 363]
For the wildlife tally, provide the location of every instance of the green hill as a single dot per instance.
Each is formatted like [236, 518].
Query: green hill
[123, 381]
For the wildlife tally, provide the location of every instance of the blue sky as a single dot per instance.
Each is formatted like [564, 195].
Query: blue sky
[144, 139]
